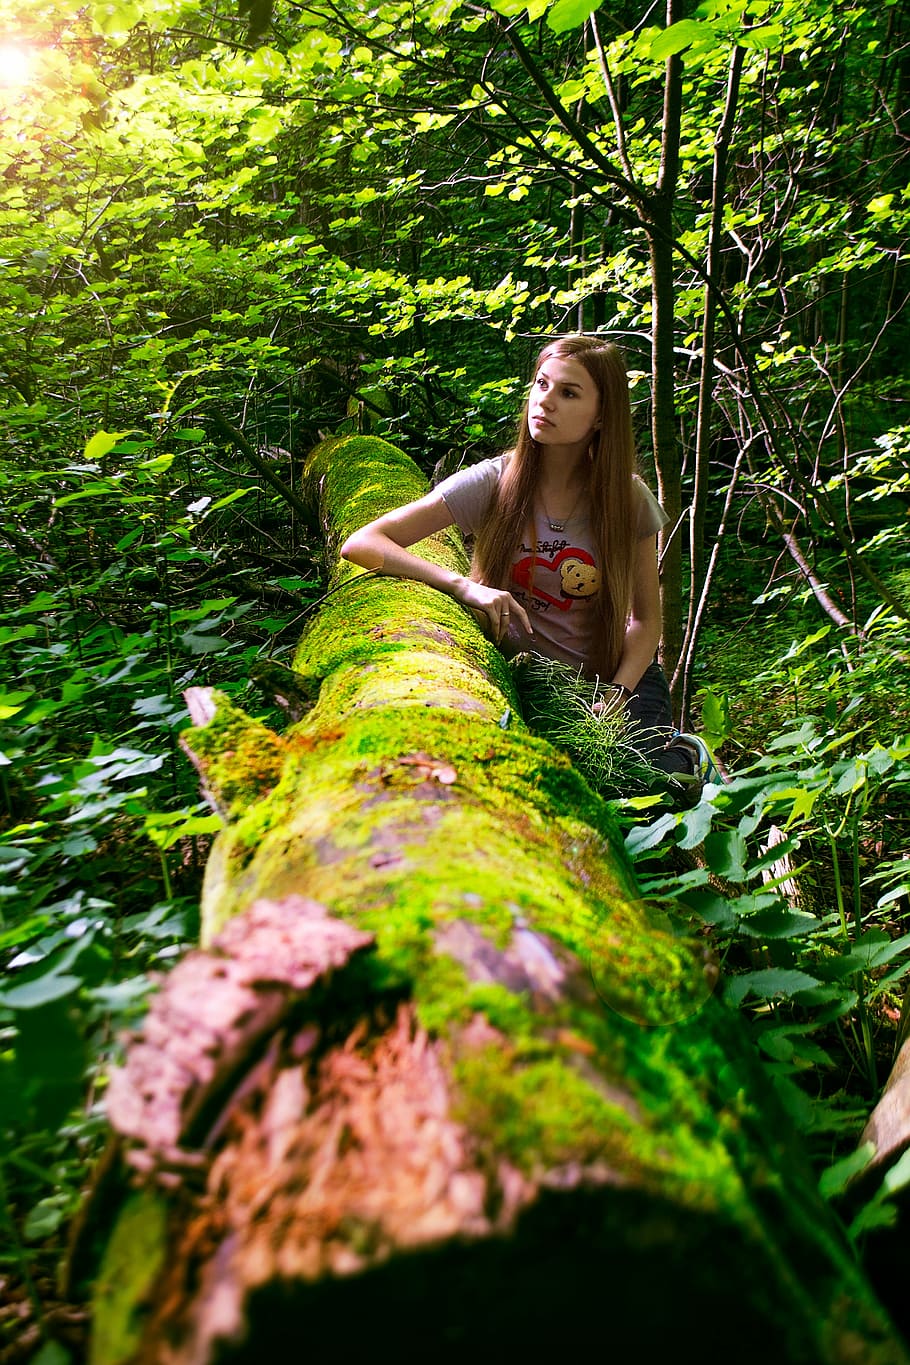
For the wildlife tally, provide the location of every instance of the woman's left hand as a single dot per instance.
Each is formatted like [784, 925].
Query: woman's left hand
[493, 608]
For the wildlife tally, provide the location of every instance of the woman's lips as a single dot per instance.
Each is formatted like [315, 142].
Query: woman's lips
[544, 421]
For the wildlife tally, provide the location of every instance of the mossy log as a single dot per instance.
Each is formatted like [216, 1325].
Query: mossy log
[438, 1082]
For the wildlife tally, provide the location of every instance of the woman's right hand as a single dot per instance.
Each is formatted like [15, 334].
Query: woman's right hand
[494, 608]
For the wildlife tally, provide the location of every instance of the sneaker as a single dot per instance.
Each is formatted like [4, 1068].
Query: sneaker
[704, 768]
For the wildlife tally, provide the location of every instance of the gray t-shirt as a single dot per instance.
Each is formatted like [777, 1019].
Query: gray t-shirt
[566, 575]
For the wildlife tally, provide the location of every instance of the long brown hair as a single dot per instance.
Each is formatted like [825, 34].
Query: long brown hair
[611, 497]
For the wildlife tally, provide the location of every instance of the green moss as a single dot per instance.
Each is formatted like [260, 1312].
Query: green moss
[543, 1112]
[370, 621]
[132, 1261]
[359, 821]
[242, 758]
[539, 1114]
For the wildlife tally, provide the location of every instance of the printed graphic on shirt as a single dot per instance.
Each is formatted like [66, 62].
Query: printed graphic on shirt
[563, 574]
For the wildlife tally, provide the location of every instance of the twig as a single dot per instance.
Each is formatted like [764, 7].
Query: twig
[238, 439]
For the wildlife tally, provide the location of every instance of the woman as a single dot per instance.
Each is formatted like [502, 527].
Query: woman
[565, 553]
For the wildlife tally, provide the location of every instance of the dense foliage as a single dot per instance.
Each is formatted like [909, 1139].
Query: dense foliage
[225, 233]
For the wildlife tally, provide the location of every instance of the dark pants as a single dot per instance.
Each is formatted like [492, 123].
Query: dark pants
[650, 707]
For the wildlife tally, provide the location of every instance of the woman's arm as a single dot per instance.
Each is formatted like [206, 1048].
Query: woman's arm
[382, 545]
[645, 621]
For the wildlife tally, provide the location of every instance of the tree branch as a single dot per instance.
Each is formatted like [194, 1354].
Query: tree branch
[568, 120]
[238, 439]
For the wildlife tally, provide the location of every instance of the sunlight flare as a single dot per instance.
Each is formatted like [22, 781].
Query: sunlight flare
[15, 64]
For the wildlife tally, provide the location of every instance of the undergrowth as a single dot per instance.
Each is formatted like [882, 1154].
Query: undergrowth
[119, 593]
[796, 869]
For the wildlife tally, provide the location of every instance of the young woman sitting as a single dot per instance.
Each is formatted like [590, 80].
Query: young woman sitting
[565, 543]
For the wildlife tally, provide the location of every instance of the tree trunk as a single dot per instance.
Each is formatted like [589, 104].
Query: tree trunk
[658, 222]
[699, 575]
[439, 1084]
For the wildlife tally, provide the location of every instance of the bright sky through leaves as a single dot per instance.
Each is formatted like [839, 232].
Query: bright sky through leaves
[15, 64]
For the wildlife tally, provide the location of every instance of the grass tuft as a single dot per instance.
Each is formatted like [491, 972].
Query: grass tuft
[558, 702]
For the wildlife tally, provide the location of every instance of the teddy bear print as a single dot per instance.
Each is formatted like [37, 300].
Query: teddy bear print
[578, 578]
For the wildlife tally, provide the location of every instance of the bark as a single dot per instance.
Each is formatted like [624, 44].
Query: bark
[667, 457]
[658, 222]
[438, 1082]
[888, 1128]
[699, 576]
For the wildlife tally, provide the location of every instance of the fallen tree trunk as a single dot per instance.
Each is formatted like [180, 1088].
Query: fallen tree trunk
[438, 1081]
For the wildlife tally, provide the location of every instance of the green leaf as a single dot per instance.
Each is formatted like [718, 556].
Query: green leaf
[768, 983]
[713, 908]
[512, 8]
[715, 716]
[876, 1214]
[795, 739]
[899, 1175]
[101, 444]
[779, 922]
[646, 837]
[680, 36]
[726, 854]
[123, 996]
[567, 14]
[875, 948]
[763, 38]
[46, 1217]
[696, 824]
[91, 490]
[158, 464]
[52, 1353]
[424, 121]
[231, 497]
[804, 799]
[776, 1044]
[773, 855]
[21, 933]
[165, 830]
[11, 703]
[833, 1001]
[880, 206]
[202, 644]
[266, 127]
[115, 19]
[835, 1179]
[441, 13]
[41, 991]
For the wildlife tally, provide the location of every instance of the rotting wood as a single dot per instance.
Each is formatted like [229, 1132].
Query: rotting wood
[781, 872]
[441, 1140]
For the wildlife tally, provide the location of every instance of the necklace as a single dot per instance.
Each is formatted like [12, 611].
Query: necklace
[559, 525]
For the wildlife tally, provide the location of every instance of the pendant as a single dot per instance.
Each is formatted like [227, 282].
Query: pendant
[556, 525]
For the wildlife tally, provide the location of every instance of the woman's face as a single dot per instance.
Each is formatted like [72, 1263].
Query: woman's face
[564, 404]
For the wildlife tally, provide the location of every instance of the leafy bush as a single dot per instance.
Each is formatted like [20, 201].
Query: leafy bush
[796, 869]
[122, 587]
